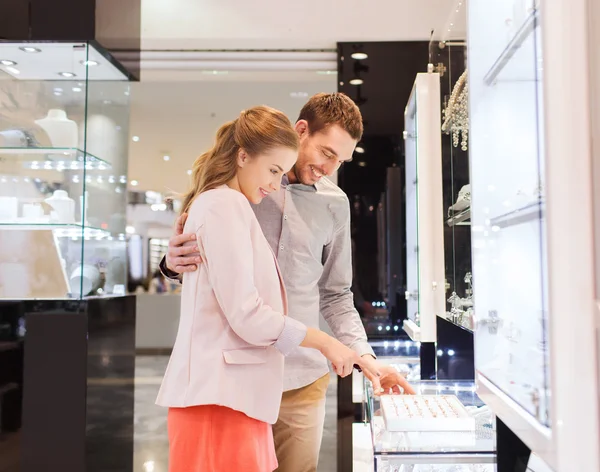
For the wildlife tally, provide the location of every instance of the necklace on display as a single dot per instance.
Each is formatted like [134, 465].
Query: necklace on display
[456, 114]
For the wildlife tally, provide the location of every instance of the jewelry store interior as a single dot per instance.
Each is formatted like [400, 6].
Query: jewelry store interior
[475, 224]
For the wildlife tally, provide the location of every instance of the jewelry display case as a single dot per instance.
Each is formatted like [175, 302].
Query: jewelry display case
[532, 225]
[447, 53]
[424, 211]
[434, 446]
[64, 117]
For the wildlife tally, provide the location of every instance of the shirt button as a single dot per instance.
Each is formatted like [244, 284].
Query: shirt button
[285, 217]
[281, 247]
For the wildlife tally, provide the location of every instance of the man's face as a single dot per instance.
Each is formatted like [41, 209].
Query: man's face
[321, 153]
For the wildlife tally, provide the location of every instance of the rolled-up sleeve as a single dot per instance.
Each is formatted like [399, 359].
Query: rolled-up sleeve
[337, 300]
[226, 245]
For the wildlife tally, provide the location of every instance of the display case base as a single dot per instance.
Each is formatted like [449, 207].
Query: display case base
[77, 387]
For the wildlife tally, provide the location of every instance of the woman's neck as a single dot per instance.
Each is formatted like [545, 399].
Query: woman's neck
[234, 184]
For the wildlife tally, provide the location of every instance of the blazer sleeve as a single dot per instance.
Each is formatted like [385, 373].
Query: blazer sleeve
[226, 243]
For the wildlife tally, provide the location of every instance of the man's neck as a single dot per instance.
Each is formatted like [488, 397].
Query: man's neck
[291, 175]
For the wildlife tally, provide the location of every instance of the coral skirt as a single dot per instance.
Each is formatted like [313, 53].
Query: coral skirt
[212, 438]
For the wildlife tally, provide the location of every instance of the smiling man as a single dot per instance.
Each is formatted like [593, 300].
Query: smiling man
[307, 224]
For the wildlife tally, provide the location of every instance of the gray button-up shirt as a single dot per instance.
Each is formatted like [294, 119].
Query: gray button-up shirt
[308, 228]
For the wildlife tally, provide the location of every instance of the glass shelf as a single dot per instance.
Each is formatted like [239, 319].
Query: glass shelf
[479, 444]
[72, 230]
[55, 158]
[531, 212]
[460, 219]
[521, 35]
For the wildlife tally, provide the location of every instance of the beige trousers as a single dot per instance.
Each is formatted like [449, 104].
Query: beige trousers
[299, 428]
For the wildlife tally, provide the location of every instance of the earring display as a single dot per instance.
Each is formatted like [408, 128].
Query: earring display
[425, 413]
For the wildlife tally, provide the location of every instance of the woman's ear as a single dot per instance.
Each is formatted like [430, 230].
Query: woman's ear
[242, 158]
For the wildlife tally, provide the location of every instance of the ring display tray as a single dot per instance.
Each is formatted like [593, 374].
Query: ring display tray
[425, 413]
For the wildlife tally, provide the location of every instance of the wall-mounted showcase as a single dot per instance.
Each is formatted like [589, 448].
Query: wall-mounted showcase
[64, 118]
[424, 210]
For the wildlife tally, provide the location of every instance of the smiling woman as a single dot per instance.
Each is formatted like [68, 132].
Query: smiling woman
[250, 155]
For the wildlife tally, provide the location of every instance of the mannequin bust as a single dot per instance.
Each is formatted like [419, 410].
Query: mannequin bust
[62, 131]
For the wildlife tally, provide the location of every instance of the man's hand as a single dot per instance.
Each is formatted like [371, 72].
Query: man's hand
[182, 257]
[391, 381]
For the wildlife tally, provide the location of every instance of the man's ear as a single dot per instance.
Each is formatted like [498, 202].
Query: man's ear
[302, 128]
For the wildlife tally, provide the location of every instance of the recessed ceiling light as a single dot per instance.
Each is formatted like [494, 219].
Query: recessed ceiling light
[134, 183]
[356, 82]
[189, 172]
[127, 92]
[362, 164]
[7, 62]
[12, 70]
[135, 139]
[359, 56]
[326, 72]
[166, 158]
[360, 150]
[30, 49]
[215, 72]
[90, 63]
[66, 74]
[76, 89]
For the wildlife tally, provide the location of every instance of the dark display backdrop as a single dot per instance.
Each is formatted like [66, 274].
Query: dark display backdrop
[388, 74]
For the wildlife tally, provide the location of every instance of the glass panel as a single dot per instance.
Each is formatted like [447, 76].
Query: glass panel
[49, 175]
[508, 231]
[412, 211]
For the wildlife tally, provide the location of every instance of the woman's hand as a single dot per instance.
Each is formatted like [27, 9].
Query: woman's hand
[343, 359]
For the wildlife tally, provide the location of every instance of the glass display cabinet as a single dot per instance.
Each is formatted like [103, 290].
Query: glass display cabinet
[433, 447]
[64, 117]
[536, 335]
[447, 52]
[424, 210]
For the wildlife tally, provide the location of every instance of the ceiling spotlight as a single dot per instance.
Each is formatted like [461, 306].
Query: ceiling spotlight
[135, 139]
[327, 72]
[76, 89]
[90, 63]
[356, 82]
[189, 172]
[6, 62]
[167, 158]
[359, 56]
[134, 183]
[12, 70]
[66, 74]
[30, 49]
[360, 150]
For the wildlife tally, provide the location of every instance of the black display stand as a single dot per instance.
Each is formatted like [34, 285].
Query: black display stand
[73, 382]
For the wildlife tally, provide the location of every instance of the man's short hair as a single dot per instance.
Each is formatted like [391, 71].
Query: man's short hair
[326, 109]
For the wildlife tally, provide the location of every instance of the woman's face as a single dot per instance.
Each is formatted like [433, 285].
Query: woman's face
[261, 174]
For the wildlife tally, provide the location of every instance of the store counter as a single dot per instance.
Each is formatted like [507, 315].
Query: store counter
[423, 449]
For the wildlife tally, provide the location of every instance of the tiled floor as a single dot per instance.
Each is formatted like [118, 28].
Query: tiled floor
[151, 444]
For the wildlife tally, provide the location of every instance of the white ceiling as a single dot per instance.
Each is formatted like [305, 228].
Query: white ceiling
[276, 24]
[180, 120]
[178, 106]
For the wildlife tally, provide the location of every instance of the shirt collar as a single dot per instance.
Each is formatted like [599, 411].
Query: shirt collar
[285, 181]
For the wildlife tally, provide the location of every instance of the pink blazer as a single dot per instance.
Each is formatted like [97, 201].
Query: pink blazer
[233, 329]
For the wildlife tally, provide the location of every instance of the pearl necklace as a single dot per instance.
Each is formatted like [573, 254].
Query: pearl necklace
[456, 114]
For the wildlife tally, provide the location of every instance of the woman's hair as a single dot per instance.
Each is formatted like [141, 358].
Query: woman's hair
[256, 131]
